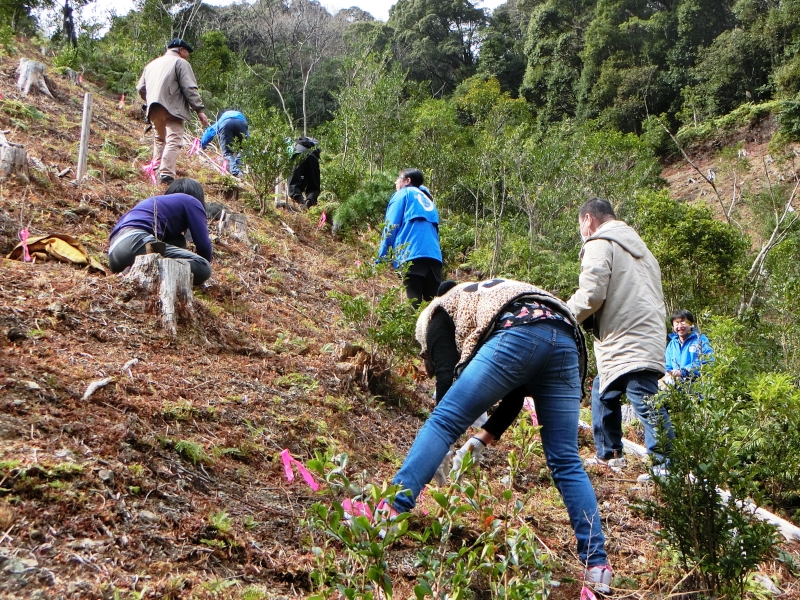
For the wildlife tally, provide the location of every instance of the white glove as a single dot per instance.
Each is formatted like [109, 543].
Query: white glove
[472, 445]
[440, 477]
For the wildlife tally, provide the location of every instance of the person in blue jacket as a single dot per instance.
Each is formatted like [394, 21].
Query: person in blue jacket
[412, 230]
[167, 219]
[231, 128]
[688, 349]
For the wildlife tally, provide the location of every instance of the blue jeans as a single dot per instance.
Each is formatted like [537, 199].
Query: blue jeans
[232, 131]
[543, 357]
[639, 387]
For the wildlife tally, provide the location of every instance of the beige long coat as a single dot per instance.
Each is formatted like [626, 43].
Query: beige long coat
[620, 284]
[169, 81]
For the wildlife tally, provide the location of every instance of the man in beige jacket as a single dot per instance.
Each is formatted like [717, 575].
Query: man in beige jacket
[169, 88]
[620, 290]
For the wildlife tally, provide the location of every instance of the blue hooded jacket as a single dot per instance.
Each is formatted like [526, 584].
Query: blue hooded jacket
[412, 227]
[212, 130]
[690, 355]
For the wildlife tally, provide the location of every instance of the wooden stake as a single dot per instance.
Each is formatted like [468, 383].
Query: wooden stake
[85, 126]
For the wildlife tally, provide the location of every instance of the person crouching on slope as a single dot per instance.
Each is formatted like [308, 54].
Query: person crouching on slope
[165, 218]
[512, 334]
[412, 230]
[437, 337]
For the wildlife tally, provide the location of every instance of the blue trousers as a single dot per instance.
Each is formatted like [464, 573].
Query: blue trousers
[639, 387]
[543, 357]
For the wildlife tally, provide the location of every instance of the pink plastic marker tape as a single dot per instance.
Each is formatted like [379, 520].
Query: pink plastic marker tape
[587, 594]
[121, 104]
[288, 461]
[149, 170]
[356, 508]
[195, 147]
[419, 500]
[529, 406]
[322, 218]
[24, 234]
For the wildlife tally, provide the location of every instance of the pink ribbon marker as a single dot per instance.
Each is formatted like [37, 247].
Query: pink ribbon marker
[195, 147]
[288, 461]
[587, 594]
[356, 508]
[121, 104]
[150, 170]
[24, 234]
[322, 218]
[531, 408]
[419, 500]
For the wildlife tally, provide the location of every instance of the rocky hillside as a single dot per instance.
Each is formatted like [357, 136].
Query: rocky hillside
[166, 480]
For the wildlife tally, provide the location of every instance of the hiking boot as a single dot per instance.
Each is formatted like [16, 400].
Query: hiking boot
[615, 464]
[475, 447]
[166, 179]
[658, 471]
[440, 477]
[599, 577]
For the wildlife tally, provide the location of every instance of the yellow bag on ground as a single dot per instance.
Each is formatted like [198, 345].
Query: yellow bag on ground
[60, 246]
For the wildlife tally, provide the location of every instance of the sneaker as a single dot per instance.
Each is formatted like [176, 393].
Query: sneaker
[657, 471]
[166, 179]
[440, 477]
[474, 446]
[600, 577]
[615, 464]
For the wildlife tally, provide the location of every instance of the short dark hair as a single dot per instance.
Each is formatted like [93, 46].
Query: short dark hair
[184, 185]
[598, 208]
[682, 314]
[415, 175]
[445, 287]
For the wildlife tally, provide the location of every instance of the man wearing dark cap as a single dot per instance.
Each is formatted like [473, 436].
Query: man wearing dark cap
[169, 88]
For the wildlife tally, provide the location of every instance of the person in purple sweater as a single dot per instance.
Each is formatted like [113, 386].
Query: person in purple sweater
[165, 218]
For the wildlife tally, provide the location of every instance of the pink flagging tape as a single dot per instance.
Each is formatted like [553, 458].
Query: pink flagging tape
[149, 170]
[419, 500]
[195, 148]
[587, 594]
[24, 234]
[121, 104]
[322, 218]
[531, 408]
[288, 461]
[356, 508]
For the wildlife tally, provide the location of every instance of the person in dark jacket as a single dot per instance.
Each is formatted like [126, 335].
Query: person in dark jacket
[305, 178]
[165, 218]
[412, 231]
[231, 127]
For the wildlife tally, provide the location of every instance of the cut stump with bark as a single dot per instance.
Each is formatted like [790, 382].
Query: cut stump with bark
[31, 75]
[233, 224]
[168, 283]
[14, 161]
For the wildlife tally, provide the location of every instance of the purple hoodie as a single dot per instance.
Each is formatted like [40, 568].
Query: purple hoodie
[176, 213]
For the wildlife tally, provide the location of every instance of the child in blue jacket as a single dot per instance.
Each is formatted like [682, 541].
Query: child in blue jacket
[688, 349]
[412, 229]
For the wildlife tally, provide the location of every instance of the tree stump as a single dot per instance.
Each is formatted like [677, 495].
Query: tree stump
[14, 161]
[234, 224]
[168, 283]
[31, 74]
[73, 76]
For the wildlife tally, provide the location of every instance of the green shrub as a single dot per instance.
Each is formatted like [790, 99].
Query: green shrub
[367, 206]
[266, 155]
[717, 539]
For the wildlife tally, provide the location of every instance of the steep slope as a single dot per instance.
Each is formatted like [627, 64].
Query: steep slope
[167, 481]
